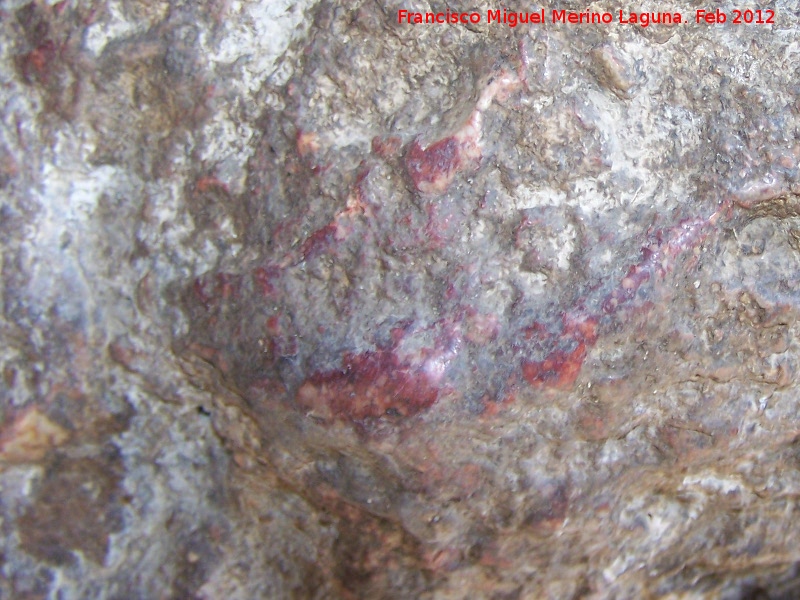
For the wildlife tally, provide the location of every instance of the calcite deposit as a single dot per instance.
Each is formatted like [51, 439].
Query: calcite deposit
[301, 299]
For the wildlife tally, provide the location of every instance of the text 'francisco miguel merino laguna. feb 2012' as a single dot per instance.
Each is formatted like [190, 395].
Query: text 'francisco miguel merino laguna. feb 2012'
[565, 17]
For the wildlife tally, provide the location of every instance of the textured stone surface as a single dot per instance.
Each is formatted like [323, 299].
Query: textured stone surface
[299, 302]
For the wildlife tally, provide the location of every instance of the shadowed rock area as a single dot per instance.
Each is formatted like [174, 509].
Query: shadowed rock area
[300, 301]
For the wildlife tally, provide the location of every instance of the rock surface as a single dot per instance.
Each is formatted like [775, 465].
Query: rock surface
[302, 302]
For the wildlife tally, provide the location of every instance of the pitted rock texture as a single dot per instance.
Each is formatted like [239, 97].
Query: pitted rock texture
[301, 302]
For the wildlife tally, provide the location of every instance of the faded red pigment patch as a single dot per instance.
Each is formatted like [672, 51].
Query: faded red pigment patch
[38, 64]
[386, 147]
[581, 328]
[559, 369]
[658, 258]
[307, 143]
[208, 183]
[318, 241]
[481, 328]
[211, 290]
[369, 385]
[264, 280]
[433, 169]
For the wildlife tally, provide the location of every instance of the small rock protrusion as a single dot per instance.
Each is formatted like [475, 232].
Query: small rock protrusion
[614, 70]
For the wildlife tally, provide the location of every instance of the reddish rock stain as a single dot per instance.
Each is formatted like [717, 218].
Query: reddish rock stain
[317, 242]
[227, 285]
[389, 383]
[199, 289]
[213, 289]
[658, 259]
[38, 63]
[369, 385]
[558, 370]
[208, 183]
[432, 169]
[307, 143]
[386, 147]
[263, 278]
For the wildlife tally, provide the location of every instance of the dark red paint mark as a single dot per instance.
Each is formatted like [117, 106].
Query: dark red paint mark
[559, 370]
[316, 243]
[263, 278]
[432, 169]
[386, 147]
[38, 63]
[208, 183]
[211, 290]
[199, 289]
[369, 385]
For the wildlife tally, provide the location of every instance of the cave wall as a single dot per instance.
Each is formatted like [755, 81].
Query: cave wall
[301, 301]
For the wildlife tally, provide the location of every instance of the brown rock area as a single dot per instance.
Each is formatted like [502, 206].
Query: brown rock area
[300, 301]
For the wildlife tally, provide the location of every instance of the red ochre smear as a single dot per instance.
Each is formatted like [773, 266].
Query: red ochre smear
[375, 384]
[382, 383]
[317, 242]
[39, 63]
[433, 169]
[369, 385]
[217, 288]
[560, 368]
[264, 279]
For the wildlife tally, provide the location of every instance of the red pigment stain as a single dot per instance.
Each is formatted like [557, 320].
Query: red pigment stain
[369, 385]
[581, 328]
[433, 169]
[274, 325]
[280, 340]
[209, 182]
[263, 279]
[211, 355]
[37, 64]
[386, 147]
[199, 289]
[384, 382]
[340, 228]
[657, 259]
[559, 370]
[316, 243]
[307, 143]
[437, 223]
[214, 289]
[626, 291]
[481, 328]
[227, 285]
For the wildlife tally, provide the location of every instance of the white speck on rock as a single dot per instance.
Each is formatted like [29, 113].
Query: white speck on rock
[256, 35]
